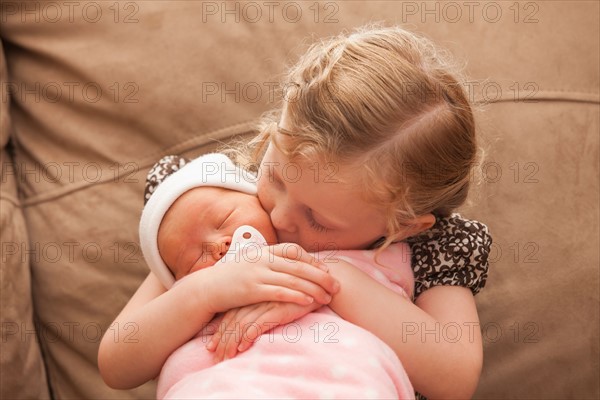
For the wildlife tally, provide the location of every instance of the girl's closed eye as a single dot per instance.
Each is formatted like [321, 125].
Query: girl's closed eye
[313, 222]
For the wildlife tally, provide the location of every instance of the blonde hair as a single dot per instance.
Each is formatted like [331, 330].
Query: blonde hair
[384, 101]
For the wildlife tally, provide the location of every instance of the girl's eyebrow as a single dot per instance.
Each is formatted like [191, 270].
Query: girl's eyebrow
[284, 131]
[327, 221]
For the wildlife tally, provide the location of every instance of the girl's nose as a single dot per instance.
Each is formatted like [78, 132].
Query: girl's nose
[282, 218]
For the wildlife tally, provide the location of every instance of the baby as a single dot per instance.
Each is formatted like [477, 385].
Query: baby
[190, 222]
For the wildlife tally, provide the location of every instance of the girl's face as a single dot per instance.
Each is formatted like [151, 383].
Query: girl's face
[309, 204]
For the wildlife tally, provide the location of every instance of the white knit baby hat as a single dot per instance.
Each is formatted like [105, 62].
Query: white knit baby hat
[212, 169]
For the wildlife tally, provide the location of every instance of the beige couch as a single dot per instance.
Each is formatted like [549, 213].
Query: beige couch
[94, 92]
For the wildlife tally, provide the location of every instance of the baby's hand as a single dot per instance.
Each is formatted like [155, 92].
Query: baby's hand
[283, 272]
[241, 327]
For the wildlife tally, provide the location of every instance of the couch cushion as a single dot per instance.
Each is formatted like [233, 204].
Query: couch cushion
[540, 310]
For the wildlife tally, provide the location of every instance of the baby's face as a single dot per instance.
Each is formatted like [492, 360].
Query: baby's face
[196, 231]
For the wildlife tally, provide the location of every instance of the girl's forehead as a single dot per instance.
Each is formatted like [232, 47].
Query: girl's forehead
[287, 139]
[322, 168]
[327, 188]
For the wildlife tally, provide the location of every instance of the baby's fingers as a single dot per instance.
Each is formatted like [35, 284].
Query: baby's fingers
[254, 331]
[230, 333]
[217, 337]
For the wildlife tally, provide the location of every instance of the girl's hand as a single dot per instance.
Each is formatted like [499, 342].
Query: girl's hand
[241, 327]
[282, 273]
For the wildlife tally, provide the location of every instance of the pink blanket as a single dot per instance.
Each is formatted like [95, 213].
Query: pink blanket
[318, 356]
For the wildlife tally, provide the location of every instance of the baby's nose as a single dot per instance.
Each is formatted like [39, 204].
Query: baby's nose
[220, 248]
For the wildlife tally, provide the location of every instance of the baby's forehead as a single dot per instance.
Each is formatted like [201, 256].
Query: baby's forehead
[216, 197]
[235, 195]
[217, 192]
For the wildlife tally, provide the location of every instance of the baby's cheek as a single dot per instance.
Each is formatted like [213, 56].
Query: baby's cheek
[260, 220]
[266, 229]
[268, 233]
[163, 250]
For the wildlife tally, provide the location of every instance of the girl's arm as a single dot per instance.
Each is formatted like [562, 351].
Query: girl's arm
[438, 340]
[155, 321]
[148, 330]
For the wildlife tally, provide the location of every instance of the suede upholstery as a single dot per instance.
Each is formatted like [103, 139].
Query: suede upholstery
[93, 93]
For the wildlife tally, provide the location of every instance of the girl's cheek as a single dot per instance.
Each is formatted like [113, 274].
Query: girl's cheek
[264, 196]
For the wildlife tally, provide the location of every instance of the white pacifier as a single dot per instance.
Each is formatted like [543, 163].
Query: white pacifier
[244, 239]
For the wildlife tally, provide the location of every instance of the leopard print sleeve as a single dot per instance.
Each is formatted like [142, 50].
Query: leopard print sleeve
[453, 252]
[160, 171]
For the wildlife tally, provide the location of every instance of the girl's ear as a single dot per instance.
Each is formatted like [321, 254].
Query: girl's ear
[422, 223]
[418, 225]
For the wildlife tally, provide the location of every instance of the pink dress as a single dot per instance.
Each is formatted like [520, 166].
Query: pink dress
[317, 356]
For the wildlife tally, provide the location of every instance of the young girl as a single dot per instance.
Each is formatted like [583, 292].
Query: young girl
[383, 138]
[380, 110]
